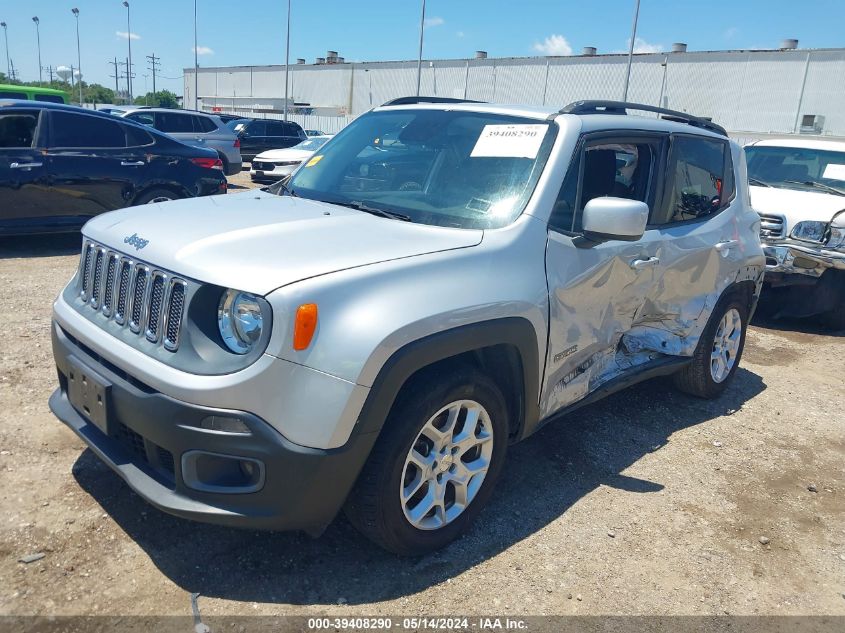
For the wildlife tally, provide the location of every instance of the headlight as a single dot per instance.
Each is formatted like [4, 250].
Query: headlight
[809, 231]
[837, 237]
[240, 320]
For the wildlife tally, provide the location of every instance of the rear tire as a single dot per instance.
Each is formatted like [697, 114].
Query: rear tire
[429, 476]
[157, 195]
[225, 162]
[719, 350]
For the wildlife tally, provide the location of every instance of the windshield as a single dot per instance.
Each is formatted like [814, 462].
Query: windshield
[446, 168]
[312, 144]
[796, 168]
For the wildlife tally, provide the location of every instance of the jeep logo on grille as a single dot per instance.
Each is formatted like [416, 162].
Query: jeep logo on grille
[135, 241]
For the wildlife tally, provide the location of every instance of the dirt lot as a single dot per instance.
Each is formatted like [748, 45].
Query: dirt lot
[650, 502]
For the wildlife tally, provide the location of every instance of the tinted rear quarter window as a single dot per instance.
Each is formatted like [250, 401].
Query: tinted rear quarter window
[145, 118]
[136, 137]
[256, 128]
[12, 95]
[17, 129]
[204, 124]
[79, 130]
[48, 98]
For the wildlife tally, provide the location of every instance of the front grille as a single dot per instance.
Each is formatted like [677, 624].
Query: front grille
[152, 302]
[771, 226]
[162, 462]
[260, 165]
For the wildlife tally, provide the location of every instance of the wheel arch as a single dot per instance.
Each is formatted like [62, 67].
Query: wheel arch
[505, 348]
[169, 186]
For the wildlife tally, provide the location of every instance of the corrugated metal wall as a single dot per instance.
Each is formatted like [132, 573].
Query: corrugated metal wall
[748, 91]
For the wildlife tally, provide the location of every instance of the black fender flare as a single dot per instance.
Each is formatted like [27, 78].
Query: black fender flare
[409, 359]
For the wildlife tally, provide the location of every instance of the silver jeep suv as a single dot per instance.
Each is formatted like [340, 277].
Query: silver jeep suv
[440, 280]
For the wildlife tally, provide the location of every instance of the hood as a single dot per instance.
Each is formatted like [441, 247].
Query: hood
[257, 242]
[285, 154]
[795, 205]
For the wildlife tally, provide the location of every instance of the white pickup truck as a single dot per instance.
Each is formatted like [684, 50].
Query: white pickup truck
[798, 188]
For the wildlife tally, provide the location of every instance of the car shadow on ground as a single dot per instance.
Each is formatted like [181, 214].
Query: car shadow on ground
[545, 476]
[794, 326]
[52, 245]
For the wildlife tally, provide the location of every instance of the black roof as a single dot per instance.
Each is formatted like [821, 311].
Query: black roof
[48, 105]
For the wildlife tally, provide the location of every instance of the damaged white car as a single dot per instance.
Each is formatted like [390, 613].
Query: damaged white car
[373, 333]
[798, 188]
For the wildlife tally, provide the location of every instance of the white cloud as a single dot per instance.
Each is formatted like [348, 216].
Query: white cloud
[731, 32]
[641, 46]
[553, 45]
[128, 36]
[434, 21]
[460, 33]
[203, 50]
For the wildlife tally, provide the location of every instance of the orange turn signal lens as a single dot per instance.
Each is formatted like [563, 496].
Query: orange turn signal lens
[304, 325]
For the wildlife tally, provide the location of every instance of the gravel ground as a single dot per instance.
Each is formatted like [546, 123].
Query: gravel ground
[649, 502]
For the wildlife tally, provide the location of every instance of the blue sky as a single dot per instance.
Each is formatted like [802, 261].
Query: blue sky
[388, 29]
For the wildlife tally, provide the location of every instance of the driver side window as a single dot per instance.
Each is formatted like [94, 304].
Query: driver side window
[618, 168]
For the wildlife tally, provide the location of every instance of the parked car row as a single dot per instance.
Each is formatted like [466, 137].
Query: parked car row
[61, 165]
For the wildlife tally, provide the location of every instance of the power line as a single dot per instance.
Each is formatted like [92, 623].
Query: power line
[153, 64]
[116, 76]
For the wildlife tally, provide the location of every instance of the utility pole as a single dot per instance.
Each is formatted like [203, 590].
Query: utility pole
[153, 64]
[419, 57]
[49, 70]
[196, 63]
[75, 12]
[129, 41]
[128, 75]
[38, 35]
[116, 76]
[287, 63]
[8, 63]
[631, 51]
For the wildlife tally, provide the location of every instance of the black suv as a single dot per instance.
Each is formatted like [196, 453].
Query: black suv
[60, 165]
[259, 135]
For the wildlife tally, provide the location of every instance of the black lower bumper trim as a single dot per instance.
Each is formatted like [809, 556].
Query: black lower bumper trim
[304, 488]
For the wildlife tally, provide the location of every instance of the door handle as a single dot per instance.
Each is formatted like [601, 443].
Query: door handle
[640, 264]
[25, 165]
[725, 246]
[131, 163]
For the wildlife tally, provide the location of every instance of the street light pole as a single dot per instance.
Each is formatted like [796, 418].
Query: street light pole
[631, 52]
[196, 63]
[38, 35]
[129, 40]
[419, 57]
[78, 54]
[8, 63]
[287, 63]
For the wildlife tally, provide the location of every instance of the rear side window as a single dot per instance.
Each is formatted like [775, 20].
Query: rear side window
[146, 118]
[12, 95]
[174, 122]
[48, 98]
[136, 137]
[17, 129]
[78, 130]
[696, 180]
[256, 128]
[606, 167]
[204, 124]
[279, 128]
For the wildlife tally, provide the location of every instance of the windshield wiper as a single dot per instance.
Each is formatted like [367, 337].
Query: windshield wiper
[817, 185]
[280, 186]
[758, 183]
[382, 213]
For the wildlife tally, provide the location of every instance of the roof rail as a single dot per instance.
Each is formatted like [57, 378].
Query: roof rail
[413, 100]
[622, 107]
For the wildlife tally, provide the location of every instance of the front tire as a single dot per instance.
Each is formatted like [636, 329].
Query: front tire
[718, 352]
[435, 464]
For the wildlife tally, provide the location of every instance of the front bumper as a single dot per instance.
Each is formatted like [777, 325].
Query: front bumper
[277, 173]
[148, 434]
[801, 259]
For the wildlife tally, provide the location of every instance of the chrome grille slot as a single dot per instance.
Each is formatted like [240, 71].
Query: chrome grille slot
[173, 316]
[157, 300]
[771, 225]
[123, 290]
[87, 253]
[108, 291]
[128, 292]
[138, 297]
[97, 283]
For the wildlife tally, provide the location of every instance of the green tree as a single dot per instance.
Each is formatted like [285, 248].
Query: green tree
[95, 93]
[160, 99]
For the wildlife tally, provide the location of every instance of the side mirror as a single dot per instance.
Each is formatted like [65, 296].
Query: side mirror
[614, 219]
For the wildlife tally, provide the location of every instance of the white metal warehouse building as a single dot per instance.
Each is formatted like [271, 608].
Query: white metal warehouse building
[751, 93]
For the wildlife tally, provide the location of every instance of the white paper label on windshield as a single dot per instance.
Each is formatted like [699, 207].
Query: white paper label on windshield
[510, 141]
[834, 172]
